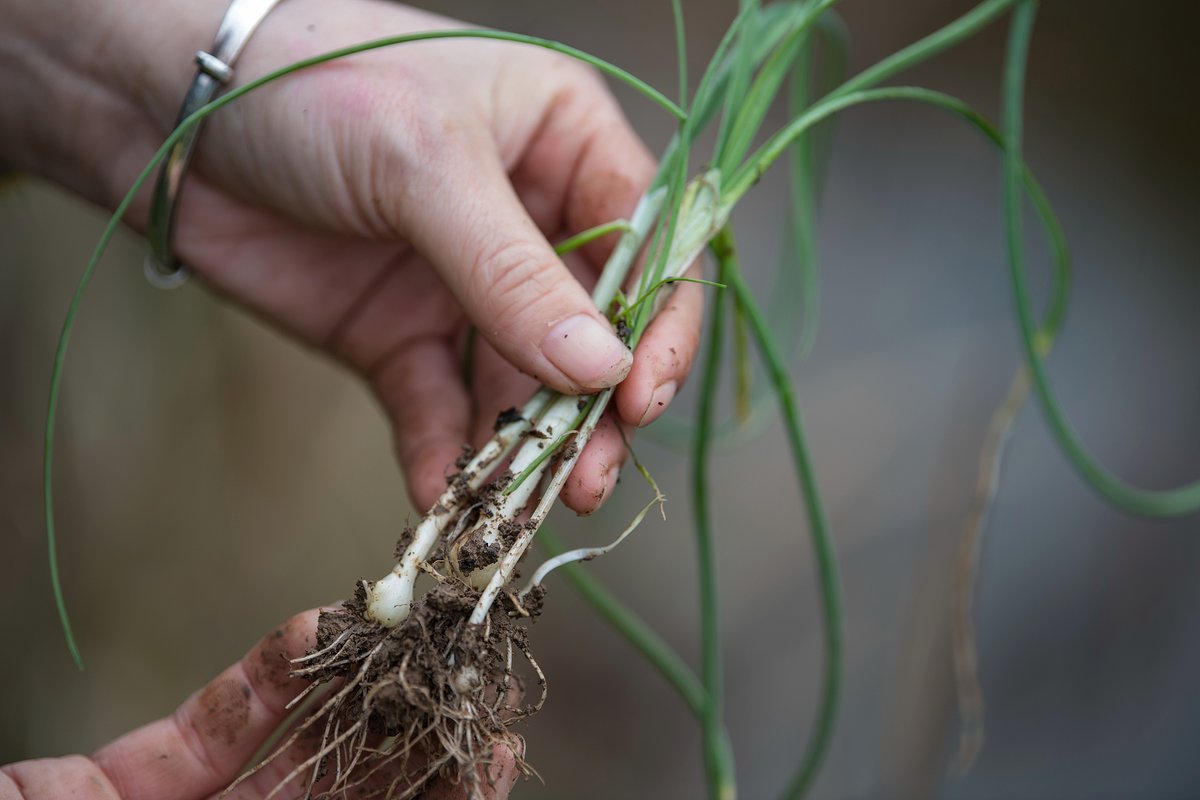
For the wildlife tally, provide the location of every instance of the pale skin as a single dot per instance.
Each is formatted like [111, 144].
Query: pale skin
[375, 209]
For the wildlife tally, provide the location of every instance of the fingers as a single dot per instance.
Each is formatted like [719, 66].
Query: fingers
[585, 166]
[664, 356]
[595, 475]
[203, 746]
[470, 224]
[420, 387]
[51, 778]
[612, 174]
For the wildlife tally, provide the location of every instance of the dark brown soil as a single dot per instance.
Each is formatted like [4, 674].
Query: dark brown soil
[429, 699]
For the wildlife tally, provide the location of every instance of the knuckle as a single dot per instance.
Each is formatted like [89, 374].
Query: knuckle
[517, 287]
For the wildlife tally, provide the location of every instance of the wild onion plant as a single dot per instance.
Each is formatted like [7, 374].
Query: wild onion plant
[427, 679]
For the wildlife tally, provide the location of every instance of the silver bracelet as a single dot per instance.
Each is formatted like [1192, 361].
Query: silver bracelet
[214, 70]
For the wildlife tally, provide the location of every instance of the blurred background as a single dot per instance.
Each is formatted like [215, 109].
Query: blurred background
[214, 478]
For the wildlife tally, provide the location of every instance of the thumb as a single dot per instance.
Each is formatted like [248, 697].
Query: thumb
[472, 227]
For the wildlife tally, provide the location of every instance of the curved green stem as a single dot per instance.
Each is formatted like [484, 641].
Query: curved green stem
[945, 37]
[718, 757]
[1171, 502]
[731, 431]
[590, 235]
[822, 542]
[964, 27]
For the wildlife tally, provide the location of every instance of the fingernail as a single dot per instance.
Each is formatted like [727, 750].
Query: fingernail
[659, 400]
[588, 352]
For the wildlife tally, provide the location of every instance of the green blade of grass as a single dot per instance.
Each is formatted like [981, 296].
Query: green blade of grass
[803, 199]
[677, 432]
[742, 66]
[743, 370]
[829, 581]
[653, 291]
[718, 757]
[752, 108]
[660, 246]
[552, 448]
[799, 246]
[832, 45]
[945, 37]
[590, 235]
[713, 87]
[681, 51]
[1160, 503]
[147, 171]
[962, 28]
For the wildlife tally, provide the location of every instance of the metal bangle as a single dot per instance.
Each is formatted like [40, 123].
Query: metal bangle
[215, 69]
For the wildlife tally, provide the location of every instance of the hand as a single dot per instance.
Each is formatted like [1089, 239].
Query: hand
[378, 207]
[201, 748]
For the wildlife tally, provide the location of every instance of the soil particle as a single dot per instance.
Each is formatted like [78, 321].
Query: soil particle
[465, 457]
[270, 666]
[226, 709]
[476, 554]
[624, 332]
[507, 417]
[406, 539]
[535, 600]
[508, 531]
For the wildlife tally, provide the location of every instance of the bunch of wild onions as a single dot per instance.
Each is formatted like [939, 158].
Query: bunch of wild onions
[434, 672]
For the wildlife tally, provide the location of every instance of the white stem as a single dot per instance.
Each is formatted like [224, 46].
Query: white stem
[390, 598]
[619, 263]
[508, 562]
[555, 421]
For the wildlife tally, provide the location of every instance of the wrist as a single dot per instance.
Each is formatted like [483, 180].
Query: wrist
[92, 88]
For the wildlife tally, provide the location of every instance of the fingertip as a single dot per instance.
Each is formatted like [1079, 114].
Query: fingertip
[663, 359]
[596, 474]
[504, 769]
[428, 470]
[588, 352]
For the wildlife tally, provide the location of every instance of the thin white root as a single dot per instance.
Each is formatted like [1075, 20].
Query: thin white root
[341, 638]
[585, 553]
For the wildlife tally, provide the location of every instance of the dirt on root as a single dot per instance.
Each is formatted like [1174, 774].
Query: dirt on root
[429, 699]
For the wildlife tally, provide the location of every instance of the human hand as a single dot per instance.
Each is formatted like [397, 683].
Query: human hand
[201, 748]
[378, 206]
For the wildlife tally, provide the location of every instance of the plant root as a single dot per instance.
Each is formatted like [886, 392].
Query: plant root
[430, 699]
